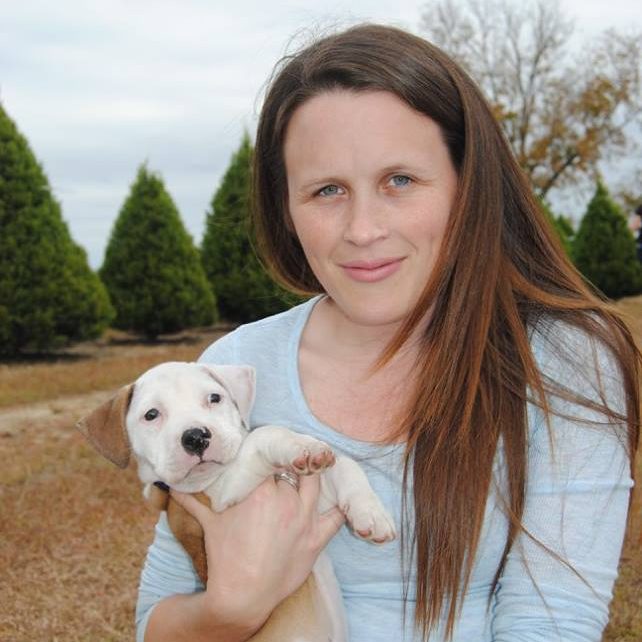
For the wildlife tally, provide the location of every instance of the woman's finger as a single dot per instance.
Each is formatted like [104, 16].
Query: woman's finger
[196, 509]
[329, 524]
[309, 489]
[289, 479]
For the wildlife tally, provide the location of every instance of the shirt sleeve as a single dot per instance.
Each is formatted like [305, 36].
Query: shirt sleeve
[168, 569]
[559, 575]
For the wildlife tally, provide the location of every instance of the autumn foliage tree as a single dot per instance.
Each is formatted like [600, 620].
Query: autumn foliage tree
[49, 296]
[561, 112]
[152, 269]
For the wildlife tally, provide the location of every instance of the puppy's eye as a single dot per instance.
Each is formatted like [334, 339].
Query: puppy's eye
[214, 397]
[151, 414]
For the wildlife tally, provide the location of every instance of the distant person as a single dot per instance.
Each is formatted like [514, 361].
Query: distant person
[449, 346]
[635, 225]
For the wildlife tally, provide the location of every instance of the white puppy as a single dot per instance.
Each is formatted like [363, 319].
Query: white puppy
[187, 426]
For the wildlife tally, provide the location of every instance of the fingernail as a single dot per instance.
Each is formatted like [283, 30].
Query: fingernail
[162, 486]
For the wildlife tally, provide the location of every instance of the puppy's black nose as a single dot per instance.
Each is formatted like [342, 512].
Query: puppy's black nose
[196, 440]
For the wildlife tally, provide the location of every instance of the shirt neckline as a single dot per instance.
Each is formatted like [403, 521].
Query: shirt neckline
[349, 443]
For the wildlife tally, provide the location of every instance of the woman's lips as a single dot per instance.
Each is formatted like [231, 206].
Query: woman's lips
[371, 271]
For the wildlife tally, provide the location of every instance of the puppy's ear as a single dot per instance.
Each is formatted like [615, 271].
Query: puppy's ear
[241, 383]
[105, 427]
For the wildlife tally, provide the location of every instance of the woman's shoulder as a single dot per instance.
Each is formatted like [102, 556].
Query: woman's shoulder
[579, 439]
[286, 318]
[267, 334]
[567, 346]
[573, 358]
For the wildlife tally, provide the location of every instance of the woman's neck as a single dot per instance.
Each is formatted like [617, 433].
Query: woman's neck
[341, 338]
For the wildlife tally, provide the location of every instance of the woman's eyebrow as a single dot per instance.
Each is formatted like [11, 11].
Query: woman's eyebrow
[408, 166]
[321, 180]
[318, 178]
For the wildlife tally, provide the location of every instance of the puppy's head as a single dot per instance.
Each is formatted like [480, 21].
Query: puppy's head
[182, 422]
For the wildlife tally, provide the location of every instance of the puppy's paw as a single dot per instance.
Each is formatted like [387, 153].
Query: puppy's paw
[368, 519]
[308, 455]
[224, 499]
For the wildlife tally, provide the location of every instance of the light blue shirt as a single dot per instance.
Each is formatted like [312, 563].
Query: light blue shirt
[576, 504]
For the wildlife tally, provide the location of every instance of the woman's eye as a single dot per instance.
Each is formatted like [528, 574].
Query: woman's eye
[151, 414]
[214, 397]
[400, 180]
[329, 190]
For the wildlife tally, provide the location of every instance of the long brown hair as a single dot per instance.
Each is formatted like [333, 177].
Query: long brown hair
[500, 269]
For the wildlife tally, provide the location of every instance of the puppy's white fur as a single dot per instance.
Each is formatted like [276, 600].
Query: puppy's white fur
[218, 399]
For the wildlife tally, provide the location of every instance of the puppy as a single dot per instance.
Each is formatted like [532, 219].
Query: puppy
[186, 425]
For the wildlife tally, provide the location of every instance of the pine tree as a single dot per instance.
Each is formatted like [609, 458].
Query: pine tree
[604, 248]
[48, 294]
[244, 290]
[560, 224]
[152, 268]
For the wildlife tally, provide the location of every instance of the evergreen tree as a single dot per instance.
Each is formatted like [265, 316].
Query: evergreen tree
[152, 268]
[48, 294]
[244, 290]
[565, 229]
[604, 248]
[561, 225]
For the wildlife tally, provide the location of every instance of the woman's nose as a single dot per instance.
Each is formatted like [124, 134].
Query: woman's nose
[365, 221]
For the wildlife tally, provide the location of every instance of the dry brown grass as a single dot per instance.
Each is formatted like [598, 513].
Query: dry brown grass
[72, 537]
[94, 366]
[73, 528]
[625, 624]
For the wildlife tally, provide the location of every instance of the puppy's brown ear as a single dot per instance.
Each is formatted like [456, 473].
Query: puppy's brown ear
[105, 427]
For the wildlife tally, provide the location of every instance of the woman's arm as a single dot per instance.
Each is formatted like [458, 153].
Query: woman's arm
[189, 618]
[576, 506]
[258, 552]
[171, 599]
[580, 518]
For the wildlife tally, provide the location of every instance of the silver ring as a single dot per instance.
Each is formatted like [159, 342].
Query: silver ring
[288, 478]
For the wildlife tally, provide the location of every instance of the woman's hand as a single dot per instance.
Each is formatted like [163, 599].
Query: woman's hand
[261, 550]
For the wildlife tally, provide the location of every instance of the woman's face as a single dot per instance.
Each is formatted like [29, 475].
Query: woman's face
[370, 189]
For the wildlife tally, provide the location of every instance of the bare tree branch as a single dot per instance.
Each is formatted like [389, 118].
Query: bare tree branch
[562, 114]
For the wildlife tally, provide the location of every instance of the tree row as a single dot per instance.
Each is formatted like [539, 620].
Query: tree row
[154, 280]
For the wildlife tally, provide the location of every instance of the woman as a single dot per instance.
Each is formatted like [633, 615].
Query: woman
[490, 395]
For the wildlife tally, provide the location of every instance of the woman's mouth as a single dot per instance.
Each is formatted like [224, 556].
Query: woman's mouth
[371, 271]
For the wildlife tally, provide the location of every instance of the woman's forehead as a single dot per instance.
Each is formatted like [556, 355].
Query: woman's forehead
[369, 128]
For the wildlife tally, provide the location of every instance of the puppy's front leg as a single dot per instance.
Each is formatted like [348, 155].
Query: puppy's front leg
[346, 486]
[265, 451]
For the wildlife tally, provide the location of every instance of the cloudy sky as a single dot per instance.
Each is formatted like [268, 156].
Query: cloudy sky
[100, 87]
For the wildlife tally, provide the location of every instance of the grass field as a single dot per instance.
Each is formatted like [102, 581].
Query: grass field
[74, 529]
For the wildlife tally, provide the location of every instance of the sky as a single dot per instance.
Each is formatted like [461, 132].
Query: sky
[100, 87]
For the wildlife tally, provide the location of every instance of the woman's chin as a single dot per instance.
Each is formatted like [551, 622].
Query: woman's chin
[373, 313]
